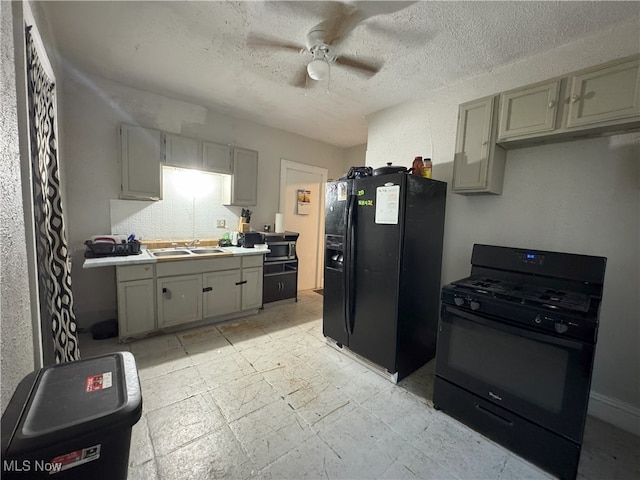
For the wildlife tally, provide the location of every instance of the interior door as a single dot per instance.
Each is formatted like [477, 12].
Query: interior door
[306, 218]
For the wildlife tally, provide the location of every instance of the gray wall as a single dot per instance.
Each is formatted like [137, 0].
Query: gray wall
[16, 352]
[581, 197]
[93, 109]
[354, 156]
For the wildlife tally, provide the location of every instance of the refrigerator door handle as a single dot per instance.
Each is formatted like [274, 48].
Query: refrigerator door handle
[350, 265]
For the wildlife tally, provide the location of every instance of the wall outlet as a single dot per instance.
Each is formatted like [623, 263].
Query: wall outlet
[222, 224]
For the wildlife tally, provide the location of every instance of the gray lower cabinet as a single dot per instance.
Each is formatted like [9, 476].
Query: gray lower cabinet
[172, 293]
[192, 290]
[136, 299]
[251, 288]
[140, 163]
[478, 165]
[221, 293]
[179, 300]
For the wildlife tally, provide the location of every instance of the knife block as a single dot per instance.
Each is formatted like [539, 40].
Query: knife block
[243, 226]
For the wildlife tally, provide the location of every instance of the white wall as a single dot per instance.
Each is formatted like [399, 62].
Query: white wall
[16, 351]
[579, 197]
[94, 108]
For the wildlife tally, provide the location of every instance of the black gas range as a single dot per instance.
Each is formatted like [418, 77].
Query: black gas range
[515, 350]
[551, 308]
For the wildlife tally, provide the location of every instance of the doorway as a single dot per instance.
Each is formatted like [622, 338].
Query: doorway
[302, 204]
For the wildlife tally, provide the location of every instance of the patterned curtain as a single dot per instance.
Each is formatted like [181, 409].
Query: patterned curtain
[54, 268]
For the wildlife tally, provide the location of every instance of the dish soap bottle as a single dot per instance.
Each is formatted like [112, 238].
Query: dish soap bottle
[426, 168]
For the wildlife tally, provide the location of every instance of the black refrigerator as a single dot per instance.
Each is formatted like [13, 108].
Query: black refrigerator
[383, 258]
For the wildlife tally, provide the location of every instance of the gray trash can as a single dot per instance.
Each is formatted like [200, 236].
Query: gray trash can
[73, 420]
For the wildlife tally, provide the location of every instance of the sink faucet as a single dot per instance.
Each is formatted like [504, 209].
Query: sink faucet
[193, 243]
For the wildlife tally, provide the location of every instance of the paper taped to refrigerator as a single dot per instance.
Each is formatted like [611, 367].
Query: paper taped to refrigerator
[387, 204]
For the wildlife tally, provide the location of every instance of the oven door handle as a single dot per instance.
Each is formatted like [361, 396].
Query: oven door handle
[513, 330]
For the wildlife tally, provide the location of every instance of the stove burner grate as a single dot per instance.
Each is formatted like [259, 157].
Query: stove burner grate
[527, 294]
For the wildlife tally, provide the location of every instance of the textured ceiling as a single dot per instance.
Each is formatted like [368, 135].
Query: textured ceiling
[197, 52]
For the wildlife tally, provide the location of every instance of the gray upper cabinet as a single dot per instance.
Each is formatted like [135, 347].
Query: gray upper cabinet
[529, 110]
[141, 158]
[478, 165]
[182, 151]
[216, 157]
[241, 188]
[605, 95]
[598, 101]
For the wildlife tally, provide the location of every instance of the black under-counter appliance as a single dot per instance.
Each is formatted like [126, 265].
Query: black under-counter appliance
[383, 257]
[515, 351]
[280, 280]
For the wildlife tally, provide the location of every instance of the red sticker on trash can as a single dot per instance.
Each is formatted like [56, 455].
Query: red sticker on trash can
[74, 459]
[98, 382]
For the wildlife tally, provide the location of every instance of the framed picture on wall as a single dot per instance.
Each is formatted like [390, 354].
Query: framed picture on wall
[304, 202]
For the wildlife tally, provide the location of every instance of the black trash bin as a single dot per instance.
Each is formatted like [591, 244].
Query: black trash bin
[73, 420]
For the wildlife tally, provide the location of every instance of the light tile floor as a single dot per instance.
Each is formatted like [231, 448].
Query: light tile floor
[265, 397]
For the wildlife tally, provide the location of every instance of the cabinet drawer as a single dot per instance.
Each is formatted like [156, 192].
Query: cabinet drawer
[187, 267]
[134, 272]
[252, 261]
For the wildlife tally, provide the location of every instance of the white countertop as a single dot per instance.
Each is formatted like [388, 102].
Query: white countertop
[146, 257]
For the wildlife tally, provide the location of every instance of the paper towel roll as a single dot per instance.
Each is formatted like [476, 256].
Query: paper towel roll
[279, 223]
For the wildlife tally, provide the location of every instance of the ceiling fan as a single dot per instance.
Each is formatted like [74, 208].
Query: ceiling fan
[322, 40]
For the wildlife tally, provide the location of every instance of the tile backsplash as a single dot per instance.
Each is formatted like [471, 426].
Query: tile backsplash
[190, 208]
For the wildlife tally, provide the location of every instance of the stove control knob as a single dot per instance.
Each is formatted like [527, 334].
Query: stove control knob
[537, 319]
[561, 327]
[474, 305]
[458, 301]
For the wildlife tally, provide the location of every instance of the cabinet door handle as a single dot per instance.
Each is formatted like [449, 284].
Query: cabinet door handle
[241, 283]
[166, 293]
[552, 104]
[575, 98]
[207, 289]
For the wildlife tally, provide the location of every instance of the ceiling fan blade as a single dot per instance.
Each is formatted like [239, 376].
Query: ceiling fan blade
[373, 8]
[342, 18]
[264, 41]
[367, 68]
[300, 80]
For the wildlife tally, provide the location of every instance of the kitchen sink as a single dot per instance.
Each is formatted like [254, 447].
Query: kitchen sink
[170, 253]
[207, 250]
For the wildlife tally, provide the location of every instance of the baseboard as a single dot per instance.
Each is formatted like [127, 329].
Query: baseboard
[620, 414]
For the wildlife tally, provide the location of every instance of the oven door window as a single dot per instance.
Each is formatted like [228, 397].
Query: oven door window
[539, 376]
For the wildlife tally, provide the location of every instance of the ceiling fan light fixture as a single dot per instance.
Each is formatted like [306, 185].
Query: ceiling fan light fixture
[318, 69]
